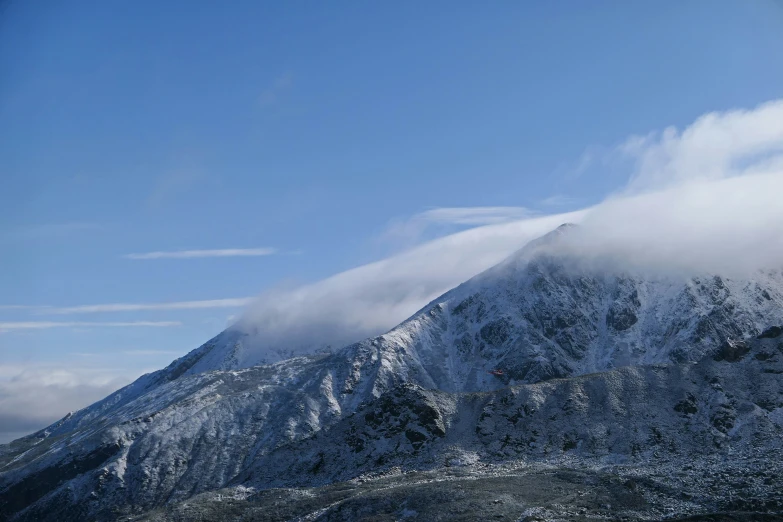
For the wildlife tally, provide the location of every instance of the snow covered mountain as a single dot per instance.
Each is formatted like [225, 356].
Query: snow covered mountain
[543, 314]
[434, 391]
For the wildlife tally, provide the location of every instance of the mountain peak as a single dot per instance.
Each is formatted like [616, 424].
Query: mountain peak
[548, 243]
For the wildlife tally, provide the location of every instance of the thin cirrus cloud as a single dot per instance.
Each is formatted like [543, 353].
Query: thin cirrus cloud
[559, 200]
[233, 302]
[42, 325]
[48, 230]
[413, 228]
[473, 215]
[190, 254]
[144, 353]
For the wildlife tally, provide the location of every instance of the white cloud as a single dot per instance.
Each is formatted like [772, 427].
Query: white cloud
[446, 218]
[372, 298]
[716, 146]
[234, 302]
[706, 198]
[188, 254]
[231, 302]
[32, 397]
[474, 215]
[559, 200]
[40, 325]
[730, 226]
[152, 352]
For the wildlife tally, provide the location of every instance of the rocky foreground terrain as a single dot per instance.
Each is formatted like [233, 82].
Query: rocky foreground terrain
[542, 389]
[647, 443]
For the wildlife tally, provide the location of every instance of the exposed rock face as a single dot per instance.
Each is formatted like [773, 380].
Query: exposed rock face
[732, 351]
[622, 416]
[589, 368]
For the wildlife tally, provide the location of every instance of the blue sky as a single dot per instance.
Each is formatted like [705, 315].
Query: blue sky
[312, 130]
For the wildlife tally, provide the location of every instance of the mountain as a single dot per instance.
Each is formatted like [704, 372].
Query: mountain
[543, 314]
[543, 360]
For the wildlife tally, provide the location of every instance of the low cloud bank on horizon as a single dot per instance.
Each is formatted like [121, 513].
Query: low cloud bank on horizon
[31, 397]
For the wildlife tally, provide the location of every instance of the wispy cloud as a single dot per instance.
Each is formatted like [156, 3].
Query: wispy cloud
[558, 200]
[48, 230]
[39, 325]
[570, 171]
[474, 216]
[232, 302]
[371, 298]
[695, 200]
[151, 352]
[140, 353]
[271, 94]
[189, 254]
[446, 219]
[136, 307]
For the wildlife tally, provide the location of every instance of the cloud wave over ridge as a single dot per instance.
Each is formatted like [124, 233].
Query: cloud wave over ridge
[704, 199]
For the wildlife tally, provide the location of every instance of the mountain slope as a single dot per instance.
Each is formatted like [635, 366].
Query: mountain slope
[240, 429]
[540, 315]
[649, 442]
[202, 423]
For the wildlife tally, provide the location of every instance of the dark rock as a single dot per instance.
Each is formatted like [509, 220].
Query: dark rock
[416, 438]
[772, 332]
[732, 351]
[687, 405]
[621, 319]
[496, 333]
[723, 418]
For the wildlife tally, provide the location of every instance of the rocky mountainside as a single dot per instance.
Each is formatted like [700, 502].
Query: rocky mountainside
[647, 442]
[539, 361]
